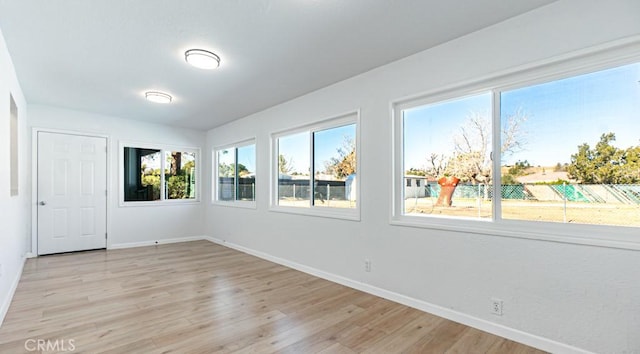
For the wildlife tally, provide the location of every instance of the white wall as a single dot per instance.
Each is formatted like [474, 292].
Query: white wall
[14, 211]
[557, 294]
[128, 226]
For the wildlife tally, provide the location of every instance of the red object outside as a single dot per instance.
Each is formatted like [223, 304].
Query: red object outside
[447, 187]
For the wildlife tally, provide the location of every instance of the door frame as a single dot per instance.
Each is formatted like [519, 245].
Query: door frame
[34, 181]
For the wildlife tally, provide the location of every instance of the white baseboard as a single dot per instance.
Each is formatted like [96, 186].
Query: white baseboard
[155, 242]
[14, 285]
[471, 321]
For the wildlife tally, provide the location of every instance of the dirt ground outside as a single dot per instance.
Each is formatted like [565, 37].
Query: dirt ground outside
[579, 213]
[304, 203]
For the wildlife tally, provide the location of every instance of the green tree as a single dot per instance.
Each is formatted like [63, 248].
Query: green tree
[242, 170]
[228, 170]
[284, 166]
[605, 163]
[177, 187]
[509, 180]
[415, 172]
[186, 168]
[560, 167]
[520, 168]
[152, 179]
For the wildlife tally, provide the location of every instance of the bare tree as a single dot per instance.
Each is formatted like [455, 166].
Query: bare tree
[344, 163]
[471, 160]
[513, 137]
[438, 164]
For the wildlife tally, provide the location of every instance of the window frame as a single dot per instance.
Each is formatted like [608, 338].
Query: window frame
[610, 55]
[163, 201]
[353, 214]
[247, 204]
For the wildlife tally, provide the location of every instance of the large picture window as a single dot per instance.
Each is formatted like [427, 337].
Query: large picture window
[154, 174]
[447, 156]
[316, 168]
[563, 151]
[235, 175]
[579, 154]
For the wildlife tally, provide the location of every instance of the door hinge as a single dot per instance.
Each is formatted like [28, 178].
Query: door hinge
[105, 235]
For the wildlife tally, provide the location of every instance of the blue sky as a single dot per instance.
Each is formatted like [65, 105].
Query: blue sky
[431, 128]
[327, 142]
[247, 157]
[226, 157]
[295, 149]
[560, 116]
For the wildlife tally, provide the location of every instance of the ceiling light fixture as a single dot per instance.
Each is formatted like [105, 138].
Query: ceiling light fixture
[202, 59]
[158, 97]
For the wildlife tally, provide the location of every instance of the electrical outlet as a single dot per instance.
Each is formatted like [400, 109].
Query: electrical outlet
[496, 306]
[367, 265]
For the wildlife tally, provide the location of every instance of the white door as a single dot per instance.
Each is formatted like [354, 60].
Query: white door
[72, 188]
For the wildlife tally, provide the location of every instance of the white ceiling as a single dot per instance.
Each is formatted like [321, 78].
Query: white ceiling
[101, 55]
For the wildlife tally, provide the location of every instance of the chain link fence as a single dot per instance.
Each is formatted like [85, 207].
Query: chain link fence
[329, 193]
[245, 190]
[602, 204]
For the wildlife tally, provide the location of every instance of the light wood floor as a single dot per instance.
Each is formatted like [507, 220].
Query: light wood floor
[199, 297]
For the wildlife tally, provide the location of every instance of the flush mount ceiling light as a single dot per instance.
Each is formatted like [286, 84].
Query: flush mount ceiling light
[202, 59]
[157, 97]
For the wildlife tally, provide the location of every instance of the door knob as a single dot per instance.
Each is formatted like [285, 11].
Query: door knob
[43, 203]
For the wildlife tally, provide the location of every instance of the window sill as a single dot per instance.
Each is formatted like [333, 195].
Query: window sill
[592, 235]
[236, 204]
[159, 203]
[324, 212]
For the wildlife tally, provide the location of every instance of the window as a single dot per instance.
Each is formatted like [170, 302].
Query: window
[294, 166]
[316, 169]
[151, 174]
[226, 174]
[180, 181]
[235, 174]
[141, 174]
[568, 155]
[449, 145]
[334, 167]
[578, 149]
